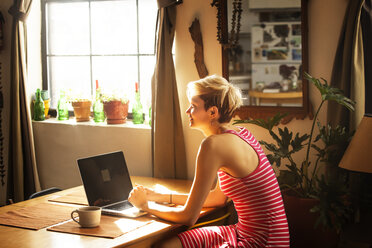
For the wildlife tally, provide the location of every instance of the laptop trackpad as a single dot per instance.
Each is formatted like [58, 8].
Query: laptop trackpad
[120, 206]
[123, 209]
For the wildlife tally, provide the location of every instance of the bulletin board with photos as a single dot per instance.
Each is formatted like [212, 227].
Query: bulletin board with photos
[276, 42]
[276, 57]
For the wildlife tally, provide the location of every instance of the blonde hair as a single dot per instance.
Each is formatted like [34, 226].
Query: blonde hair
[217, 91]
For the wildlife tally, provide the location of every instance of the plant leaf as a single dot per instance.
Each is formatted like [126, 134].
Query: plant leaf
[289, 178]
[297, 142]
[267, 124]
[330, 93]
[333, 208]
[274, 159]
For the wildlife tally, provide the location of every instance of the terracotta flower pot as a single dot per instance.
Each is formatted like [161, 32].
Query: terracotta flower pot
[116, 111]
[301, 224]
[82, 110]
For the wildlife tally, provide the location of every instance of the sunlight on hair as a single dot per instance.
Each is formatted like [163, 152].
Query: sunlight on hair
[216, 91]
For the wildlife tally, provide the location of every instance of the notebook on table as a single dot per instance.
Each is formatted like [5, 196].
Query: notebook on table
[107, 184]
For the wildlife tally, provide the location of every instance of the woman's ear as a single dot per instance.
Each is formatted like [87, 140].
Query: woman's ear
[213, 112]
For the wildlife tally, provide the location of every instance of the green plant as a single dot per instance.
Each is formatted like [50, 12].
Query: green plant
[73, 96]
[335, 140]
[82, 99]
[304, 179]
[114, 96]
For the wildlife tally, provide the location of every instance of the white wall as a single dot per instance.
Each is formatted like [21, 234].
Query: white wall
[59, 145]
[185, 67]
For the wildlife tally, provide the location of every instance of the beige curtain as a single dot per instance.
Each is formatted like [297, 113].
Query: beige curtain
[168, 148]
[22, 173]
[366, 19]
[348, 69]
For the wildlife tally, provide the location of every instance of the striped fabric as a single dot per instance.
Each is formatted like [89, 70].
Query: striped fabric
[262, 221]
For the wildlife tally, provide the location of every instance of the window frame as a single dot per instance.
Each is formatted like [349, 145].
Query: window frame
[45, 55]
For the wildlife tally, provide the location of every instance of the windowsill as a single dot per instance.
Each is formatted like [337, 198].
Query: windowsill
[73, 122]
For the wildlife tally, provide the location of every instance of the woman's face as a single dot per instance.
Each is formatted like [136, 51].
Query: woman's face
[198, 116]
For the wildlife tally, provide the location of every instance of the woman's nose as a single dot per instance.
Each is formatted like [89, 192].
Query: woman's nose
[188, 110]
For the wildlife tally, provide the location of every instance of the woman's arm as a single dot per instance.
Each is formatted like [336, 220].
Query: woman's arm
[175, 198]
[215, 197]
[207, 165]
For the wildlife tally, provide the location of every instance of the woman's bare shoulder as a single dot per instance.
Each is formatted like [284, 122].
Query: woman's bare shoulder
[216, 138]
[219, 141]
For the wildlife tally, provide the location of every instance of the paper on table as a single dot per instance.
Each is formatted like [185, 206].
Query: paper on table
[72, 198]
[110, 227]
[36, 217]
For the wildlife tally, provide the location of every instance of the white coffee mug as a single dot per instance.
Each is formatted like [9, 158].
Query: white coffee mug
[88, 216]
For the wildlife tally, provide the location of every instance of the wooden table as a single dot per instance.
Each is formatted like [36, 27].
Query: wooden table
[277, 98]
[142, 237]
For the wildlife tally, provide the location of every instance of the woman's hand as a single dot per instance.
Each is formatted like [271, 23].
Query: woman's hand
[150, 194]
[138, 197]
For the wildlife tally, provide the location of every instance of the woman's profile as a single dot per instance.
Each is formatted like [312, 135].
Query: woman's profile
[245, 175]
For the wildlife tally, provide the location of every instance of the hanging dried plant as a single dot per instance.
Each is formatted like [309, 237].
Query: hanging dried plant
[216, 3]
[235, 22]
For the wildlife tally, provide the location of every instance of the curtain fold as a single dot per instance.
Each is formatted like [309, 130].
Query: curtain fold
[168, 148]
[348, 69]
[23, 178]
[366, 20]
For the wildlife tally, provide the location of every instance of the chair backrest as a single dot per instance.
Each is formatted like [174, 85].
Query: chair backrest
[44, 192]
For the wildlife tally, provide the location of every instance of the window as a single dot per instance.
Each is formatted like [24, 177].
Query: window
[109, 41]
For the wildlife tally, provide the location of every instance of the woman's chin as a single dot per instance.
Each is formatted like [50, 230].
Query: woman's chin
[193, 126]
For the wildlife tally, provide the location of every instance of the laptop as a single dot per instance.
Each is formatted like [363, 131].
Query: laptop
[107, 184]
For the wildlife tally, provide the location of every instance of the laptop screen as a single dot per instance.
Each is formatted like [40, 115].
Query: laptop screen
[106, 179]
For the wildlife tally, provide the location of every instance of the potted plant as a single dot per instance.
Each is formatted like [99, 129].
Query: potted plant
[82, 109]
[81, 105]
[310, 197]
[115, 107]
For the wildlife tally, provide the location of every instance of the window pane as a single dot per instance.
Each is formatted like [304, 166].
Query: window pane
[71, 74]
[147, 12]
[114, 27]
[68, 28]
[147, 64]
[116, 51]
[116, 74]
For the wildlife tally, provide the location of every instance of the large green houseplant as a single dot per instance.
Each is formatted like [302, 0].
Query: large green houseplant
[305, 179]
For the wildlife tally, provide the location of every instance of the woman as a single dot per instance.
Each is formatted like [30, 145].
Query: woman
[244, 174]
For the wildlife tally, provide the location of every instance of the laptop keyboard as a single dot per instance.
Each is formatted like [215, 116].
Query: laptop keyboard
[120, 206]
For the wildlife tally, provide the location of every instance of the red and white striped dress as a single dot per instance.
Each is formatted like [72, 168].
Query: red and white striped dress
[262, 221]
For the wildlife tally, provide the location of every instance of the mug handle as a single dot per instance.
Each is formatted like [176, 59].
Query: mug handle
[73, 217]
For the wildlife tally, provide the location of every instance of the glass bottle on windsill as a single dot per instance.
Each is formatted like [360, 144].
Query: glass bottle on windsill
[39, 114]
[62, 107]
[98, 112]
[137, 110]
